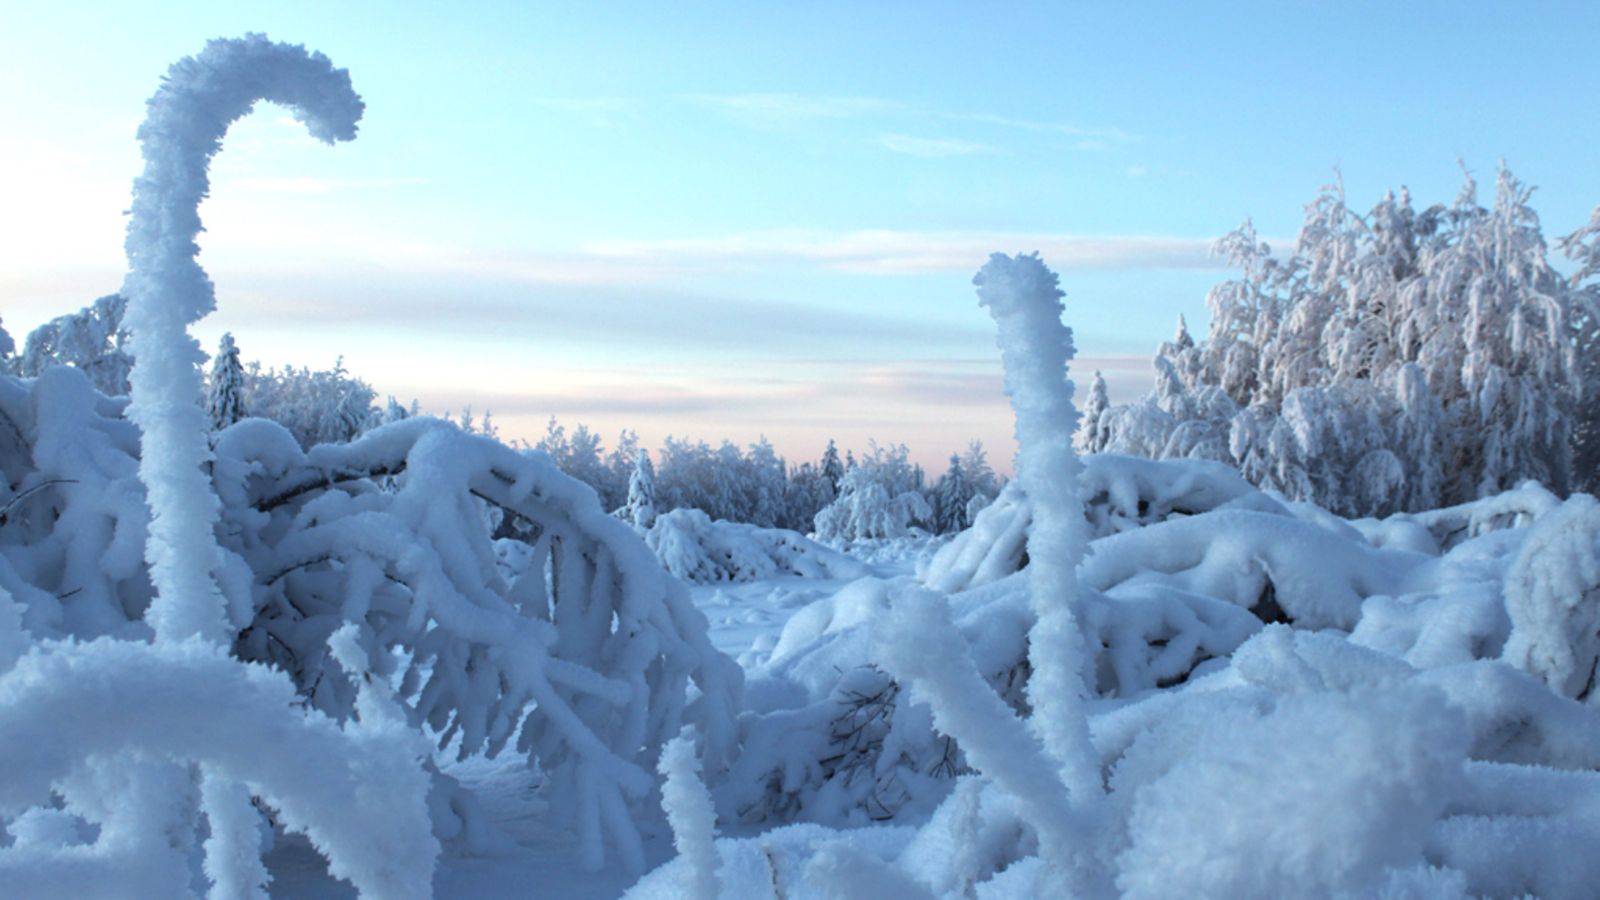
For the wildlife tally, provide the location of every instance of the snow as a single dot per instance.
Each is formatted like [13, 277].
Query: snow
[416, 662]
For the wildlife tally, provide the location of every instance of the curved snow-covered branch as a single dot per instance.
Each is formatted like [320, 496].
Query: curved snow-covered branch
[575, 642]
[1022, 295]
[357, 792]
[167, 291]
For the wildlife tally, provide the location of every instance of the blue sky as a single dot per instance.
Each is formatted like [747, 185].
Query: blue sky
[735, 219]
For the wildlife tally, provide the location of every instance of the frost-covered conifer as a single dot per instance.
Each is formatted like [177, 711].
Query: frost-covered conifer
[641, 508]
[1091, 436]
[832, 469]
[225, 389]
[951, 494]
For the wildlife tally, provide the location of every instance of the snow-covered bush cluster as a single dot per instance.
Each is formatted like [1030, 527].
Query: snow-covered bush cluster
[1272, 700]
[1396, 361]
[696, 549]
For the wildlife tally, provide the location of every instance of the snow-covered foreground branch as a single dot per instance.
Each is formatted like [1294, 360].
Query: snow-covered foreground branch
[167, 291]
[419, 586]
[1035, 347]
[98, 725]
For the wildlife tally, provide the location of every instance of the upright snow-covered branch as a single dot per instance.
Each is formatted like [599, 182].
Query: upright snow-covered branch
[689, 811]
[167, 291]
[1022, 295]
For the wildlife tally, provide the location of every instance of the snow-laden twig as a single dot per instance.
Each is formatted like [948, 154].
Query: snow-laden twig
[357, 792]
[689, 811]
[1035, 346]
[919, 646]
[167, 291]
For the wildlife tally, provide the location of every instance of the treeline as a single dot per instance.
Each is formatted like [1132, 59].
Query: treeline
[878, 494]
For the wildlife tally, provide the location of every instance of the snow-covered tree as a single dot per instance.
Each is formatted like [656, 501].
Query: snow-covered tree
[975, 465]
[832, 468]
[641, 506]
[225, 388]
[93, 339]
[1394, 361]
[952, 493]
[317, 406]
[880, 497]
[1091, 437]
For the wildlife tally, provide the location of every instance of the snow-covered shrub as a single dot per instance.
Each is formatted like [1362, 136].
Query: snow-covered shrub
[140, 716]
[1120, 493]
[696, 549]
[1393, 362]
[584, 655]
[1553, 598]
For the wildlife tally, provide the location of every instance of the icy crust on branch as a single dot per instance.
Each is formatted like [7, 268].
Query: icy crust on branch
[357, 791]
[167, 291]
[578, 644]
[693, 547]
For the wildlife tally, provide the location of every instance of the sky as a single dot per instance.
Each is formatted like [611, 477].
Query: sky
[729, 220]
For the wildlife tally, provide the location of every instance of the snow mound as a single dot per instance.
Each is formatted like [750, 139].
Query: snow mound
[699, 550]
[1120, 493]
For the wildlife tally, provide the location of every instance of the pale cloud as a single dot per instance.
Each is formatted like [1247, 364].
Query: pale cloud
[933, 148]
[788, 109]
[935, 405]
[1098, 136]
[909, 252]
[621, 320]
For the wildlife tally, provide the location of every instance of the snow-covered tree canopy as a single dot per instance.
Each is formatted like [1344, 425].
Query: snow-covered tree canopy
[1395, 361]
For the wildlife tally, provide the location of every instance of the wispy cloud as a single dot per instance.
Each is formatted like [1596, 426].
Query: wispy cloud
[788, 109]
[1105, 135]
[893, 252]
[770, 110]
[933, 148]
[485, 306]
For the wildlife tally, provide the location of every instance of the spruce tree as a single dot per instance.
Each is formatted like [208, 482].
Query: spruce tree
[225, 394]
[832, 469]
